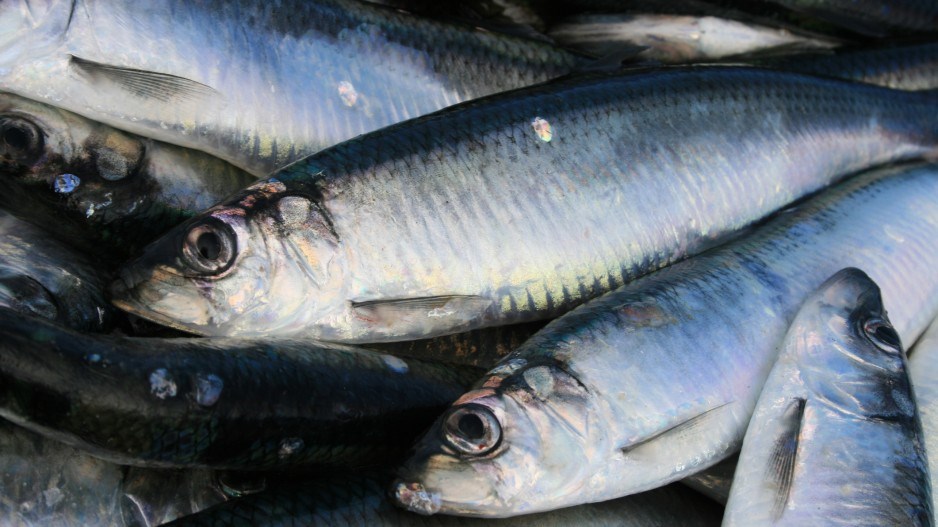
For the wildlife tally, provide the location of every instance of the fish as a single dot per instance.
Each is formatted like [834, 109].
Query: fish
[714, 482]
[45, 278]
[907, 67]
[271, 83]
[224, 404]
[836, 437]
[924, 377]
[96, 187]
[658, 379]
[516, 207]
[875, 18]
[676, 39]
[361, 499]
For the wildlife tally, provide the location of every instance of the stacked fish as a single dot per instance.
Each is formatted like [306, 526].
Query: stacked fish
[392, 264]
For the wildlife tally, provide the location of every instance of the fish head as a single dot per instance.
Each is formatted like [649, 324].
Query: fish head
[495, 451]
[847, 350]
[260, 263]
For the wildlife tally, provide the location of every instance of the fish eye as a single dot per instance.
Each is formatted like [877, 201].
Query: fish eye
[472, 430]
[881, 333]
[209, 247]
[20, 140]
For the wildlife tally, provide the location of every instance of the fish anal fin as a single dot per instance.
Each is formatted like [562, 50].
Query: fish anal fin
[781, 466]
[144, 84]
[683, 429]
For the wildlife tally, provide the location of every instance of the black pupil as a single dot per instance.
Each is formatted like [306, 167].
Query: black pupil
[471, 426]
[209, 245]
[16, 138]
[887, 334]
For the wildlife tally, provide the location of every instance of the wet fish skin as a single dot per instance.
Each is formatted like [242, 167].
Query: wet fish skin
[229, 403]
[659, 378]
[488, 213]
[714, 482]
[96, 187]
[924, 375]
[853, 453]
[909, 67]
[274, 82]
[678, 39]
[41, 277]
[361, 499]
[876, 18]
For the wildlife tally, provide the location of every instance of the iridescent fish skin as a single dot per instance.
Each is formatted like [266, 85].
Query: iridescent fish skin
[835, 438]
[98, 187]
[675, 39]
[39, 276]
[923, 369]
[659, 378]
[229, 403]
[271, 83]
[516, 207]
[361, 500]
[909, 67]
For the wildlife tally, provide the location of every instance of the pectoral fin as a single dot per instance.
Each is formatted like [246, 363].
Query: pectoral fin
[144, 84]
[781, 466]
[431, 311]
[684, 429]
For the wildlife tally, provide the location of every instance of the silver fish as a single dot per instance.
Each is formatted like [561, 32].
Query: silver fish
[676, 39]
[41, 277]
[835, 438]
[923, 368]
[268, 83]
[517, 207]
[659, 378]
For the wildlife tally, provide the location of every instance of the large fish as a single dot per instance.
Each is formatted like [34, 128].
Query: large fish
[835, 438]
[229, 403]
[41, 277]
[255, 83]
[98, 187]
[658, 379]
[517, 207]
[923, 369]
[361, 500]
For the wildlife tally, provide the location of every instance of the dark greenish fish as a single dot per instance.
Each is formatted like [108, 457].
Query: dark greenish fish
[42, 277]
[225, 403]
[909, 67]
[361, 500]
[99, 188]
[516, 207]
[270, 83]
[658, 379]
[835, 438]
[876, 18]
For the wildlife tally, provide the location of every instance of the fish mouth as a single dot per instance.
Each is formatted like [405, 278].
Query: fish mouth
[415, 497]
[149, 295]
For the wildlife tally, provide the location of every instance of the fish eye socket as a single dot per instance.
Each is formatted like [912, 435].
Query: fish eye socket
[882, 334]
[471, 430]
[210, 247]
[20, 139]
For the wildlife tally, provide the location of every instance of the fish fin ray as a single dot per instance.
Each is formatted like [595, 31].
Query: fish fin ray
[782, 459]
[683, 428]
[444, 307]
[145, 84]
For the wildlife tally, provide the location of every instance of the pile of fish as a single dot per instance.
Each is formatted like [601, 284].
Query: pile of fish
[334, 262]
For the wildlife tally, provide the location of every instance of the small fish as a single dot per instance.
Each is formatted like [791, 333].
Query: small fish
[714, 482]
[658, 379]
[361, 500]
[835, 438]
[42, 277]
[220, 403]
[516, 207]
[98, 188]
[876, 18]
[271, 83]
[923, 369]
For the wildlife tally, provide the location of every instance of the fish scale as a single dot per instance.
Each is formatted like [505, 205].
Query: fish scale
[680, 158]
[663, 373]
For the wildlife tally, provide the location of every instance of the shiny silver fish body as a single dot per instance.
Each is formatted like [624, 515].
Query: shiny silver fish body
[41, 277]
[516, 207]
[258, 84]
[101, 189]
[835, 438]
[923, 368]
[677, 39]
[658, 379]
